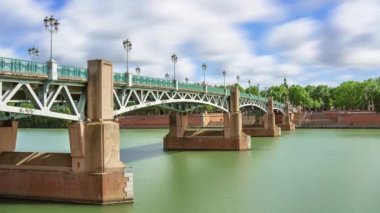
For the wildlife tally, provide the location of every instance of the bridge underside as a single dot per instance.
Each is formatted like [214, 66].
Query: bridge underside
[229, 138]
[93, 172]
[55, 100]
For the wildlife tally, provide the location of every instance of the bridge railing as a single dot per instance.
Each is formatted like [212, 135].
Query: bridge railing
[278, 104]
[152, 82]
[23, 66]
[216, 90]
[72, 72]
[119, 77]
[253, 97]
[190, 87]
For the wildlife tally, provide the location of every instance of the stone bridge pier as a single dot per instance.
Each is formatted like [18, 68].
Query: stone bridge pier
[287, 119]
[91, 173]
[270, 128]
[8, 136]
[230, 138]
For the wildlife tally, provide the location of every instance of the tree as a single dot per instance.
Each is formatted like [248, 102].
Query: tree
[348, 95]
[376, 100]
[299, 96]
[279, 93]
[254, 90]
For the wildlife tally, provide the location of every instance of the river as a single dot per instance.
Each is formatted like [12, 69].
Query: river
[309, 170]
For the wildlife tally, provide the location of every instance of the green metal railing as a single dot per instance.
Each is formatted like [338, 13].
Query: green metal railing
[119, 77]
[190, 87]
[253, 97]
[278, 104]
[37, 68]
[216, 90]
[152, 82]
[22, 66]
[72, 72]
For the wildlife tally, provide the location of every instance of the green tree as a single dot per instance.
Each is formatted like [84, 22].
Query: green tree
[299, 96]
[279, 93]
[254, 90]
[348, 95]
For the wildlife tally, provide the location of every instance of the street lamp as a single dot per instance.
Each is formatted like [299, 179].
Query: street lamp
[204, 68]
[174, 60]
[128, 47]
[33, 52]
[249, 83]
[238, 79]
[138, 70]
[167, 75]
[51, 25]
[224, 76]
[187, 80]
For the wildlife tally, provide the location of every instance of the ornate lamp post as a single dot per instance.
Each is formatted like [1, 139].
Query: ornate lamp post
[204, 68]
[224, 76]
[128, 47]
[174, 60]
[33, 52]
[138, 70]
[52, 26]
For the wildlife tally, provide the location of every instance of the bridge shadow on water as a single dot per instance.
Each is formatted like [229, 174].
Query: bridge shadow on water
[133, 154]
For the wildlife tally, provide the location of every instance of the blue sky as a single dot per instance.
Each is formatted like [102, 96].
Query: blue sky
[309, 42]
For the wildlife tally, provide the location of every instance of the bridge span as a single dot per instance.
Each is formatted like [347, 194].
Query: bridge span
[95, 96]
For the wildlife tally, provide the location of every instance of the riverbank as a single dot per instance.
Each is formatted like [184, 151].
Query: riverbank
[339, 120]
[327, 120]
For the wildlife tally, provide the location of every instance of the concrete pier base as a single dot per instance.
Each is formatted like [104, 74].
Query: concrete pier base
[270, 129]
[91, 173]
[261, 132]
[230, 138]
[207, 141]
[287, 127]
[287, 120]
[8, 136]
[57, 182]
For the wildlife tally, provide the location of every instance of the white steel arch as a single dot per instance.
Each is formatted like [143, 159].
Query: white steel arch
[129, 99]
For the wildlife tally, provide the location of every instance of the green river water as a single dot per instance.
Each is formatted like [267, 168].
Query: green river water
[304, 171]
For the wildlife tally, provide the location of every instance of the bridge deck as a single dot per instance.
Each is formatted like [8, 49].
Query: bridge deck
[29, 81]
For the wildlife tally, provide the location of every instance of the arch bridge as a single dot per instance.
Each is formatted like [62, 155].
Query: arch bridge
[43, 89]
[92, 172]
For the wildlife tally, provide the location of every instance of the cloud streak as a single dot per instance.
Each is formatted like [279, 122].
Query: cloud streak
[202, 32]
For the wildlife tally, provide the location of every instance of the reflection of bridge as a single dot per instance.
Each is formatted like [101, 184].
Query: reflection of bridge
[93, 172]
[30, 82]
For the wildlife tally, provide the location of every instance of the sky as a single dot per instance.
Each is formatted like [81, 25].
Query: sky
[308, 42]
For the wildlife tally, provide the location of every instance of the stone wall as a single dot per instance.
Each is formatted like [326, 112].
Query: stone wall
[162, 121]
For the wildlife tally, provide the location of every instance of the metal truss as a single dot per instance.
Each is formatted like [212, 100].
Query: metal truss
[129, 99]
[43, 99]
[263, 105]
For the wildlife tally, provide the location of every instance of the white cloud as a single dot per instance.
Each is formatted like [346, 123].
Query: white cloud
[289, 70]
[297, 40]
[199, 31]
[7, 52]
[356, 25]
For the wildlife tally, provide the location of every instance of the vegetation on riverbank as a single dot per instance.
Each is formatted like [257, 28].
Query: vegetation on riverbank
[349, 95]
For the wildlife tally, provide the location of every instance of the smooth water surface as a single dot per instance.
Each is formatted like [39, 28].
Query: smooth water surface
[304, 171]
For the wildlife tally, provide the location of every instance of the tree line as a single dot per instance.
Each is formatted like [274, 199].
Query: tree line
[349, 95]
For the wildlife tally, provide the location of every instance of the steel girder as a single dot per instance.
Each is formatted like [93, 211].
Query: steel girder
[263, 105]
[129, 99]
[42, 99]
